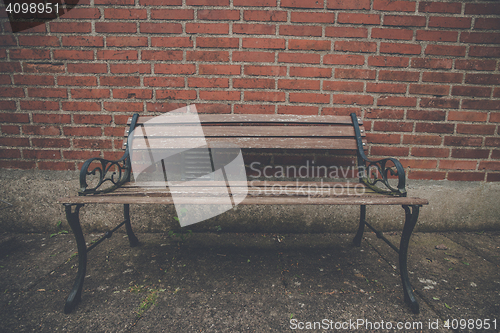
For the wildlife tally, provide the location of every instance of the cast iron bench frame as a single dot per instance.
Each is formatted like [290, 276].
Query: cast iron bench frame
[317, 132]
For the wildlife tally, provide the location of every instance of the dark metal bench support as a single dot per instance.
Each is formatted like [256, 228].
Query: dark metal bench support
[75, 294]
[362, 221]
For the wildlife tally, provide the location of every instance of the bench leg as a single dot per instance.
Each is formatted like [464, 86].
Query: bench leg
[362, 219]
[410, 222]
[75, 294]
[131, 237]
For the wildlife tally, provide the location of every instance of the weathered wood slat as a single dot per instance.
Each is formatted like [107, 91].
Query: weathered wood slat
[261, 118]
[254, 183]
[267, 200]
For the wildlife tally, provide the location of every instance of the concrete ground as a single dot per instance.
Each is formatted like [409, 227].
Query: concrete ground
[228, 282]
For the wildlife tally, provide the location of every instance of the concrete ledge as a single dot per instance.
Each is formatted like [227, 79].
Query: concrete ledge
[453, 206]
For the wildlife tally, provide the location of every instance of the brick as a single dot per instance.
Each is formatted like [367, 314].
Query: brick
[263, 43]
[445, 50]
[355, 46]
[14, 142]
[477, 65]
[310, 72]
[476, 129]
[471, 91]
[218, 15]
[306, 17]
[351, 86]
[85, 154]
[92, 144]
[125, 14]
[440, 7]
[172, 14]
[387, 33]
[57, 118]
[92, 119]
[246, 56]
[14, 117]
[398, 76]
[34, 80]
[426, 175]
[203, 28]
[389, 151]
[255, 3]
[433, 63]
[73, 55]
[168, 28]
[462, 141]
[82, 131]
[384, 114]
[354, 4]
[484, 51]
[171, 42]
[117, 55]
[176, 94]
[253, 83]
[162, 55]
[29, 54]
[73, 27]
[11, 92]
[213, 42]
[399, 48]
[467, 116]
[441, 103]
[195, 82]
[481, 104]
[120, 81]
[77, 81]
[82, 13]
[405, 20]
[300, 44]
[303, 58]
[254, 29]
[8, 105]
[426, 115]
[10, 67]
[434, 128]
[492, 142]
[39, 105]
[51, 143]
[442, 77]
[291, 109]
[419, 164]
[396, 101]
[42, 154]
[160, 3]
[426, 140]
[214, 108]
[114, 2]
[207, 2]
[482, 9]
[253, 109]
[390, 5]
[496, 92]
[487, 23]
[83, 41]
[343, 59]
[217, 69]
[352, 99]
[45, 41]
[47, 92]
[346, 32]
[43, 68]
[383, 138]
[90, 93]
[124, 41]
[10, 153]
[123, 106]
[437, 35]
[7, 40]
[363, 74]
[480, 38]
[450, 22]
[269, 96]
[81, 106]
[115, 27]
[392, 88]
[341, 111]
[492, 177]
[130, 68]
[92, 68]
[309, 98]
[156, 81]
[269, 15]
[457, 165]
[298, 84]
[489, 79]
[266, 70]
[5, 79]
[393, 126]
[470, 153]
[133, 93]
[208, 56]
[429, 152]
[358, 18]
[383, 61]
[429, 89]
[302, 30]
[466, 176]
[302, 4]
[495, 118]
[489, 165]
[23, 165]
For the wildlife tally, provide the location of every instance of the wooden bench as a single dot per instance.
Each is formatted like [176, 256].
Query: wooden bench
[288, 132]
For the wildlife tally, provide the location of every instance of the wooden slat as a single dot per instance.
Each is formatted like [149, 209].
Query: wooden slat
[254, 183]
[267, 200]
[272, 118]
[250, 131]
[260, 143]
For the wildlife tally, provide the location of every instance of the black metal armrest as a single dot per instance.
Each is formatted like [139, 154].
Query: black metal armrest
[114, 173]
[371, 172]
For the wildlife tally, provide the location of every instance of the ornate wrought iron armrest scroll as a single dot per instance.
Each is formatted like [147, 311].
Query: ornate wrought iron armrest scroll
[114, 173]
[373, 172]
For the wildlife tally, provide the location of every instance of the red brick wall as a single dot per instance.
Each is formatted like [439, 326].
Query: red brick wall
[424, 75]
